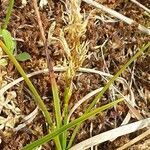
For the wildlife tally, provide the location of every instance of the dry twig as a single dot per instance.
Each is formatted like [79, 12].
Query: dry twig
[117, 15]
[108, 135]
[49, 59]
[27, 119]
[133, 141]
[140, 5]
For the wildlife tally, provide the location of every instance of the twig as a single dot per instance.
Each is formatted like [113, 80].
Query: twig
[39, 21]
[140, 5]
[82, 101]
[133, 141]
[108, 135]
[117, 15]
[27, 119]
[49, 60]
[59, 69]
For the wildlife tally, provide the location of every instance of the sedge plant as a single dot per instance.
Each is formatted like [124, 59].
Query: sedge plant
[75, 53]
[90, 112]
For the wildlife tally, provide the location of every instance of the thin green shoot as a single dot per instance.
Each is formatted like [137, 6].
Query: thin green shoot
[84, 117]
[8, 14]
[57, 108]
[67, 96]
[37, 97]
[111, 81]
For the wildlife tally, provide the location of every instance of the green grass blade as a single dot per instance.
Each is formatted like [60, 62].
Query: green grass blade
[57, 112]
[56, 104]
[37, 97]
[106, 87]
[8, 14]
[84, 117]
[67, 96]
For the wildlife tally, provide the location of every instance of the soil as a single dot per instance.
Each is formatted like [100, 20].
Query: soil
[122, 42]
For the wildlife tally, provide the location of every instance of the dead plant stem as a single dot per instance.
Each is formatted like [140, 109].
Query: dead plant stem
[117, 15]
[51, 76]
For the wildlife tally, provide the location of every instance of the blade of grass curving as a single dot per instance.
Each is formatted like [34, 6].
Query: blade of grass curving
[84, 117]
[33, 90]
[29, 83]
[8, 14]
[106, 87]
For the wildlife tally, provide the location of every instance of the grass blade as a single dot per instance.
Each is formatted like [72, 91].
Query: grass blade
[84, 117]
[107, 86]
[37, 97]
[111, 134]
[67, 94]
[8, 14]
